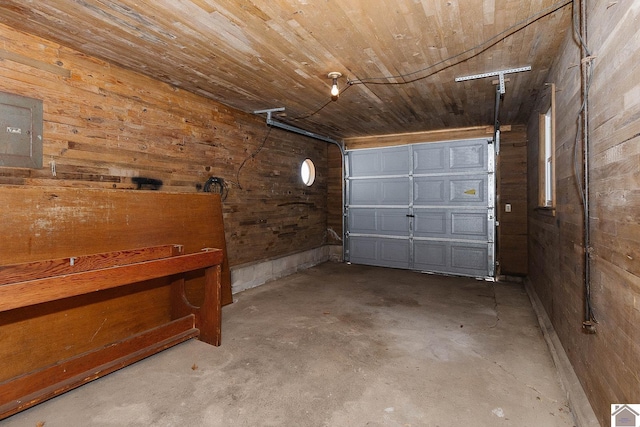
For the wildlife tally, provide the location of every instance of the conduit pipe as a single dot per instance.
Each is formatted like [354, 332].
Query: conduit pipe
[589, 319]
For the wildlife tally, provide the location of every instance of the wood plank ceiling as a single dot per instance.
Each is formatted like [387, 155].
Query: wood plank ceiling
[400, 56]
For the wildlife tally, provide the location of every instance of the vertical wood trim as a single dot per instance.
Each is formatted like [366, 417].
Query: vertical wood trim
[553, 145]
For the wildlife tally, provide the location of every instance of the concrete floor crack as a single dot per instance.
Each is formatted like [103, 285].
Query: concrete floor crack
[539, 394]
[495, 305]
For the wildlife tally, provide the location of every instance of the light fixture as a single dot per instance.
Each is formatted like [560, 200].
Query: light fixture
[335, 91]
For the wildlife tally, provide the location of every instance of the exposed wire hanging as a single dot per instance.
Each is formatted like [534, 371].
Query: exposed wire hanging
[414, 76]
[251, 156]
[473, 51]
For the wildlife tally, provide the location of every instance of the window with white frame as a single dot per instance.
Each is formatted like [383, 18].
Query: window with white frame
[548, 160]
[546, 171]
[308, 172]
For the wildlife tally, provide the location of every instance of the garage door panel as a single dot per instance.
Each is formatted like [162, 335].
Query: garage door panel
[363, 221]
[451, 157]
[468, 156]
[387, 191]
[429, 159]
[395, 252]
[451, 224]
[376, 162]
[430, 256]
[394, 191]
[469, 257]
[466, 259]
[379, 251]
[394, 221]
[468, 190]
[430, 223]
[364, 192]
[364, 163]
[363, 250]
[469, 225]
[379, 221]
[429, 191]
[395, 162]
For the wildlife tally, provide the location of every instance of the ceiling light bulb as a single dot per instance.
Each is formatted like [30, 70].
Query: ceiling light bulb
[335, 90]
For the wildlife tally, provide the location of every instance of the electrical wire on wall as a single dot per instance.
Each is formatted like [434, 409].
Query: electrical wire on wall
[251, 156]
[458, 58]
[220, 186]
[579, 21]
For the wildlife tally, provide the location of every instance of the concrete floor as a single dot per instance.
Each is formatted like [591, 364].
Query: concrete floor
[341, 345]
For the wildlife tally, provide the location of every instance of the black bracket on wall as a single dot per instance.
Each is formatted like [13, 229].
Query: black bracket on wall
[146, 183]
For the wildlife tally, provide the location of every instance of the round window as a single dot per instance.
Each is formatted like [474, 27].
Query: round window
[308, 172]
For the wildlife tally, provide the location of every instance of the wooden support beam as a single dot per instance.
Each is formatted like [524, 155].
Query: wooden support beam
[31, 292]
[420, 137]
[25, 60]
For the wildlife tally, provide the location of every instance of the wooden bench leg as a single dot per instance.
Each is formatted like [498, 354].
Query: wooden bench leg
[208, 318]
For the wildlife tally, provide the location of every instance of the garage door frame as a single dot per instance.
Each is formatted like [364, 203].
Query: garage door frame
[380, 217]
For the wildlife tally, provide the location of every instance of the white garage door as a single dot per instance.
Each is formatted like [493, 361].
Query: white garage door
[427, 207]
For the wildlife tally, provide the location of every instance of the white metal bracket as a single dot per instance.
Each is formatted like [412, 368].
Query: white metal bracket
[269, 111]
[500, 75]
[295, 129]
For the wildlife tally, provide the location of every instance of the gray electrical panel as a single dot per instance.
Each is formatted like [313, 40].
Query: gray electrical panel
[20, 131]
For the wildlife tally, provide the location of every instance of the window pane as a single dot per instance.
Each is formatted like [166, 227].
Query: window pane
[548, 178]
[308, 172]
[548, 157]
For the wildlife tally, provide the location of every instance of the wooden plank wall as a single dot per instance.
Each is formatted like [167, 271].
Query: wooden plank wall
[512, 189]
[511, 186]
[104, 125]
[607, 362]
